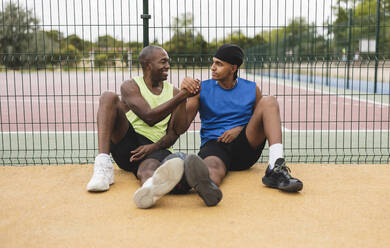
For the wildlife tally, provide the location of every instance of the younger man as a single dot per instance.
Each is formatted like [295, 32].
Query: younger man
[236, 121]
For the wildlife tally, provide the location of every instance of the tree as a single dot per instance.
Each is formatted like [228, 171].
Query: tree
[75, 41]
[183, 36]
[55, 35]
[363, 22]
[18, 26]
[186, 46]
[69, 56]
[42, 50]
[108, 41]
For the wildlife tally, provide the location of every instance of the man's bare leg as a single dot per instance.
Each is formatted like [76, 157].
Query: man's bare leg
[112, 126]
[265, 124]
[111, 121]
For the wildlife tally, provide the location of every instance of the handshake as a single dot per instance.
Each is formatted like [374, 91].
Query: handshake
[192, 86]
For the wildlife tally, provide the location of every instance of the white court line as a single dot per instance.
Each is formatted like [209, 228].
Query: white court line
[58, 100]
[328, 92]
[50, 132]
[191, 131]
[334, 131]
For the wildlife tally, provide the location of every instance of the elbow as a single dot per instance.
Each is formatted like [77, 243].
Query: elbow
[180, 131]
[150, 121]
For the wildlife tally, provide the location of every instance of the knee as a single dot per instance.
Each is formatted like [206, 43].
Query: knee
[269, 102]
[144, 174]
[216, 168]
[146, 169]
[108, 97]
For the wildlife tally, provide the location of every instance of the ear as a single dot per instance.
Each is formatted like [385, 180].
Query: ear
[148, 66]
[234, 68]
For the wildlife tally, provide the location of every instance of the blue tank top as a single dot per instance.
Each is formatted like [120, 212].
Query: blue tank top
[222, 109]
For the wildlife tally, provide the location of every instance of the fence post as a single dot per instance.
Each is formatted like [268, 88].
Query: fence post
[349, 45]
[378, 19]
[145, 16]
[327, 54]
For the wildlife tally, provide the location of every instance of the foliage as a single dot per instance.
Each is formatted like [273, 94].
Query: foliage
[110, 58]
[100, 60]
[23, 44]
[108, 41]
[298, 40]
[40, 52]
[18, 26]
[363, 24]
[69, 56]
[55, 35]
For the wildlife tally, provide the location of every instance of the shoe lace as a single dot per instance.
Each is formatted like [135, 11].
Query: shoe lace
[283, 169]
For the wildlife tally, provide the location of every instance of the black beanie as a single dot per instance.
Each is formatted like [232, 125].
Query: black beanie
[230, 53]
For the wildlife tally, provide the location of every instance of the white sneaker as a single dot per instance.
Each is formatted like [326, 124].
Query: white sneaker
[103, 175]
[164, 179]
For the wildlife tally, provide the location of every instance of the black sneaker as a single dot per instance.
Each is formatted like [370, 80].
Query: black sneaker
[197, 175]
[181, 187]
[280, 178]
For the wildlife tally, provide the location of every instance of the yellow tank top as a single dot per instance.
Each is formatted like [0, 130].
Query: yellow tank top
[156, 132]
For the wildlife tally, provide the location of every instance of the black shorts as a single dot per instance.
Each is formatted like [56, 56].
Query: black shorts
[237, 155]
[132, 140]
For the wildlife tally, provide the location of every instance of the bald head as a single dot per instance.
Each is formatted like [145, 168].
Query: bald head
[146, 55]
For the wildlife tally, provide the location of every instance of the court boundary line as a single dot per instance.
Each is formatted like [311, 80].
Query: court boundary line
[192, 131]
[326, 91]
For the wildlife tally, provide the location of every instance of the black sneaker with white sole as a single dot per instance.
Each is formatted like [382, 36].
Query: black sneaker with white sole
[182, 186]
[197, 175]
[280, 178]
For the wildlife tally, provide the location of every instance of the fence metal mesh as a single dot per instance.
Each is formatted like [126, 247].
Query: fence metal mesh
[326, 61]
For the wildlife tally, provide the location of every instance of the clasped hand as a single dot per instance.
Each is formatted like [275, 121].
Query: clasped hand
[191, 85]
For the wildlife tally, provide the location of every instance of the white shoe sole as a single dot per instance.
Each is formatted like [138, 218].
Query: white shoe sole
[164, 180]
[99, 189]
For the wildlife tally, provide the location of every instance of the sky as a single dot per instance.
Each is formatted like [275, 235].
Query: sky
[121, 19]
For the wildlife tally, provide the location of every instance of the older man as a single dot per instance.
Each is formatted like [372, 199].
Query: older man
[138, 129]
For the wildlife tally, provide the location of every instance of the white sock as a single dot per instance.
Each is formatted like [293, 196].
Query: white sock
[103, 156]
[275, 152]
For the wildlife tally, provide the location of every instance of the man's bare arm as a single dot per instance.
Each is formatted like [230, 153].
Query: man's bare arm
[132, 97]
[258, 96]
[179, 116]
[165, 142]
[172, 135]
[192, 107]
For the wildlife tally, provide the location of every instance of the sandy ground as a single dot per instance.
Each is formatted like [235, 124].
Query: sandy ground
[340, 206]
